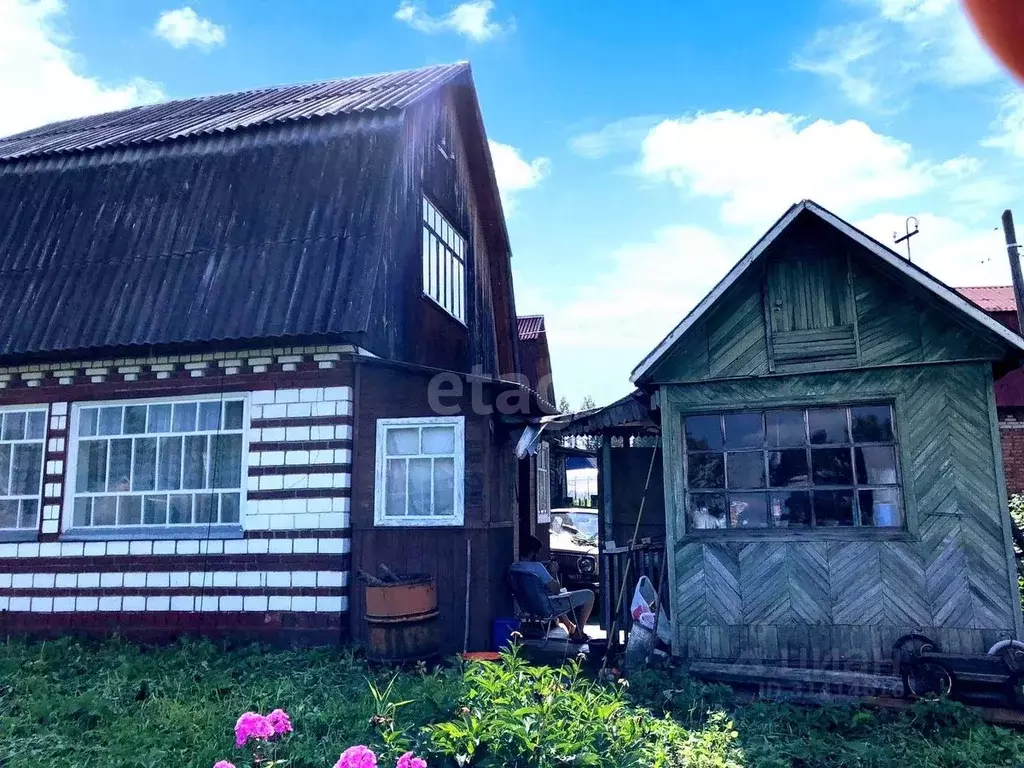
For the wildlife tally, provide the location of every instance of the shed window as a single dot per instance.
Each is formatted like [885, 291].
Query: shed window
[420, 470]
[823, 467]
[22, 432]
[544, 484]
[141, 465]
[444, 262]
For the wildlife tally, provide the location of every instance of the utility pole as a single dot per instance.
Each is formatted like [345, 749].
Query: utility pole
[1015, 271]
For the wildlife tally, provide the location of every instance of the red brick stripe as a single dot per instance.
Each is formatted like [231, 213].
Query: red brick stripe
[165, 563]
[177, 592]
[304, 469]
[301, 445]
[305, 533]
[302, 421]
[299, 493]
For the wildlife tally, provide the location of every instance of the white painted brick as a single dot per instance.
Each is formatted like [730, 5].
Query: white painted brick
[140, 548]
[297, 457]
[49, 549]
[325, 365]
[235, 547]
[182, 603]
[253, 482]
[343, 432]
[63, 604]
[20, 604]
[43, 580]
[270, 482]
[8, 550]
[207, 603]
[110, 603]
[179, 579]
[294, 434]
[341, 504]
[6, 579]
[343, 456]
[279, 579]
[21, 581]
[89, 604]
[270, 506]
[5, 603]
[311, 394]
[230, 603]
[272, 458]
[200, 579]
[279, 603]
[59, 409]
[280, 546]
[342, 480]
[306, 604]
[303, 578]
[64, 581]
[305, 546]
[212, 547]
[255, 603]
[135, 579]
[296, 481]
[262, 397]
[117, 547]
[158, 603]
[257, 546]
[321, 433]
[286, 396]
[276, 411]
[328, 604]
[321, 481]
[29, 549]
[344, 408]
[318, 505]
[72, 548]
[249, 579]
[259, 368]
[224, 579]
[108, 580]
[273, 435]
[50, 526]
[293, 506]
[256, 411]
[133, 603]
[324, 409]
[42, 605]
[188, 547]
[321, 457]
[331, 546]
[254, 458]
[300, 410]
[88, 580]
[282, 523]
[307, 521]
[163, 547]
[158, 579]
[338, 393]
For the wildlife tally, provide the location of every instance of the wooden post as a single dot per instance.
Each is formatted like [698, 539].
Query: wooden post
[1015, 271]
[604, 480]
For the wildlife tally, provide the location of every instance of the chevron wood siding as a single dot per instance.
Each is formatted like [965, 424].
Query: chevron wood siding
[846, 595]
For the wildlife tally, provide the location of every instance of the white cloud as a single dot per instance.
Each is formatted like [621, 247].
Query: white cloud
[618, 136]
[41, 79]
[840, 53]
[1009, 125]
[470, 19]
[183, 27]
[514, 173]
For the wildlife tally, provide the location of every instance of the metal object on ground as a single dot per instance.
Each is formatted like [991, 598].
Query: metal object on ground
[402, 619]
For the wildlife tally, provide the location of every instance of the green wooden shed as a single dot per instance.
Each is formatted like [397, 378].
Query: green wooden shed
[831, 456]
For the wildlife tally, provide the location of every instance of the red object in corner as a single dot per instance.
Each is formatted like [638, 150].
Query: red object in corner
[1001, 25]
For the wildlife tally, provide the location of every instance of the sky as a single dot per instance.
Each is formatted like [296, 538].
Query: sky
[640, 149]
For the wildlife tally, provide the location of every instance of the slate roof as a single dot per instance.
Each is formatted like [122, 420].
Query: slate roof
[991, 298]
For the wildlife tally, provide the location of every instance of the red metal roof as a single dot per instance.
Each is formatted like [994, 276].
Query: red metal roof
[991, 298]
[530, 327]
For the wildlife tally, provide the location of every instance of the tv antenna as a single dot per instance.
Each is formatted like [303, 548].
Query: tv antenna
[905, 238]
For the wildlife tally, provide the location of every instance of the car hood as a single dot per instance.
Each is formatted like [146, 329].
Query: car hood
[563, 541]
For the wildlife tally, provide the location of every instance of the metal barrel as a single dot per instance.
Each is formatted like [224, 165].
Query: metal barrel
[402, 620]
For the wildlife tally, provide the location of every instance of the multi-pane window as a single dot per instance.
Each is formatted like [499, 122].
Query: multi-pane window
[544, 483]
[444, 262]
[158, 463]
[420, 465]
[793, 468]
[22, 433]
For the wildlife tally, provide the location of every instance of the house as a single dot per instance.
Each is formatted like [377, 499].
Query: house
[251, 345]
[535, 357]
[831, 456]
[998, 302]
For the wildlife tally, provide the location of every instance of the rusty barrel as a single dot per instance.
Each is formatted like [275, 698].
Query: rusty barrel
[402, 620]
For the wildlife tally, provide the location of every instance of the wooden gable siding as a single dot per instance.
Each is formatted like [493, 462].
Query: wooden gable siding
[788, 315]
[845, 595]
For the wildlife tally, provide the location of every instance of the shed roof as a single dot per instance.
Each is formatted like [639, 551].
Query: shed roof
[932, 284]
[530, 327]
[991, 298]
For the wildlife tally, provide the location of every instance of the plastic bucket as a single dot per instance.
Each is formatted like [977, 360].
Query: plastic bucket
[501, 630]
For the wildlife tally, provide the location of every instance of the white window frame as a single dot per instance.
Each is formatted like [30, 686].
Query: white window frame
[159, 531]
[544, 483]
[444, 253]
[45, 409]
[380, 518]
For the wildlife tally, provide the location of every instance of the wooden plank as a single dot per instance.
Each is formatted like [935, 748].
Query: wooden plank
[752, 674]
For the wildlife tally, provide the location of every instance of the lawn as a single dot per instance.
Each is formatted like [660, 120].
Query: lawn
[66, 703]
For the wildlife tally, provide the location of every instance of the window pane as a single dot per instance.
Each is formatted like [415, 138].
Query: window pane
[129, 510]
[168, 475]
[419, 487]
[438, 440]
[110, 420]
[83, 510]
[880, 508]
[402, 442]
[194, 475]
[144, 464]
[444, 487]
[134, 419]
[5, 469]
[159, 418]
[92, 466]
[705, 510]
[206, 508]
[876, 464]
[871, 424]
[833, 508]
[180, 508]
[426, 261]
[792, 509]
[745, 470]
[748, 510]
[104, 510]
[184, 417]
[395, 485]
[209, 416]
[87, 422]
[233, 415]
[14, 425]
[8, 513]
[119, 466]
[743, 430]
[827, 425]
[229, 507]
[703, 433]
[154, 510]
[27, 469]
[787, 467]
[706, 470]
[226, 461]
[29, 513]
[35, 427]
[785, 428]
[831, 466]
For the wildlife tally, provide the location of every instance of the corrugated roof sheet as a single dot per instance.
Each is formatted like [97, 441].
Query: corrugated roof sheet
[991, 298]
[230, 112]
[530, 326]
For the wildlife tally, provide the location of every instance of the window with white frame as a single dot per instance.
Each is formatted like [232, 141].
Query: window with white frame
[543, 483]
[22, 434]
[420, 471]
[136, 465]
[444, 262]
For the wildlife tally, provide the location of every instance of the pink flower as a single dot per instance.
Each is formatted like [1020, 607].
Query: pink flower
[223, 764]
[357, 757]
[252, 725]
[280, 721]
[408, 761]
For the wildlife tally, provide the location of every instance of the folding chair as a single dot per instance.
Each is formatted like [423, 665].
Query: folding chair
[534, 604]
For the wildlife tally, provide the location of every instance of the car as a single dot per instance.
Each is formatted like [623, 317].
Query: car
[574, 547]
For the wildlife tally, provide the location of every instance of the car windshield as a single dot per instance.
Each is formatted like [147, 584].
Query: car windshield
[581, 524]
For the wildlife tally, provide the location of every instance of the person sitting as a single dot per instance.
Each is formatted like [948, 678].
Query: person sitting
[580, 602]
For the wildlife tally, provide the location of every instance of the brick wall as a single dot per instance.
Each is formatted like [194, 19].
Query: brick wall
[1011, 434]
[286, 578]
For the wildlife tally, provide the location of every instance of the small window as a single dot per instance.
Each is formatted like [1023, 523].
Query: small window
[444, 262]
[543, 484]
[141, 465]
[22, 434]
[420, 470]
[828, 467]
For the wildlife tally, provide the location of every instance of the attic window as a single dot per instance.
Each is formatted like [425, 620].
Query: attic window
[444, 262]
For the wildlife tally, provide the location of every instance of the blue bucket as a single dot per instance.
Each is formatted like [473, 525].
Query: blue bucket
[501, 629]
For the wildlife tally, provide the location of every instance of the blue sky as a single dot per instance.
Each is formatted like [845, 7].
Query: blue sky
[639, 152]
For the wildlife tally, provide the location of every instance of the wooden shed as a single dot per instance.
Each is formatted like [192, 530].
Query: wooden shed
[832, 470]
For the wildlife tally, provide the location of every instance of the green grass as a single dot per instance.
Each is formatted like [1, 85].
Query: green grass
[114, 704]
